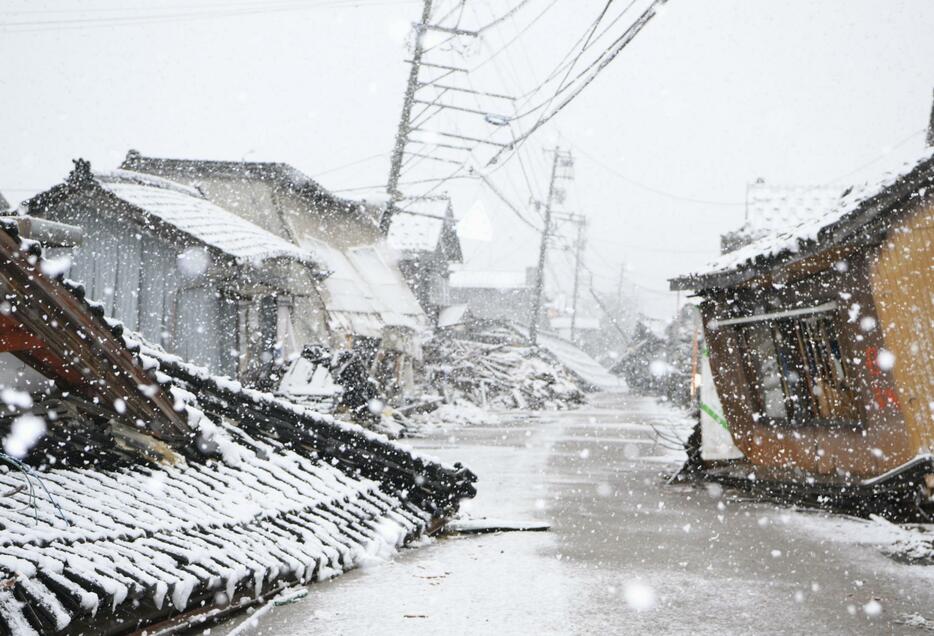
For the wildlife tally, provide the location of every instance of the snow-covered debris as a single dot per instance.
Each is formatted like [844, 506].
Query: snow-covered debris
[497, 369]
[590, 374]
[257, 492]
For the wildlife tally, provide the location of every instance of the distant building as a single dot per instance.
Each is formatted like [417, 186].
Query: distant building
[424, 233]
[493, 295]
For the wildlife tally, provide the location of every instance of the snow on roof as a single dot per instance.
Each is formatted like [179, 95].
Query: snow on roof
[772, 208]
[364, 292]
[579, 362]
[187, 210]
[451, 316]
[576, 360]
[414, 232]
[397, 304]
[790, 239]
[477, 279]
[187, 169]
[258, 513]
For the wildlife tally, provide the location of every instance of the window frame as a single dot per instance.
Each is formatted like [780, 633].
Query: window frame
[807, 344]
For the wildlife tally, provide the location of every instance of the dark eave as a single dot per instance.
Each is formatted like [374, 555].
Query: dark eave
[281, 174]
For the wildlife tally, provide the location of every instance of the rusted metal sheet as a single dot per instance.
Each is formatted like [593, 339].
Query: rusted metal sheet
[79, 350]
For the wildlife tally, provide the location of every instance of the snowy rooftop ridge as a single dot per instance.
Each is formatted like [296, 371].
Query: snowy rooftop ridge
[783, 242]
[774, 207]
[186, 209]
[285, 175]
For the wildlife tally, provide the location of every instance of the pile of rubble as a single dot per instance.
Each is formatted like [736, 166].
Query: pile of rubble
[497, 368]
[138, 489]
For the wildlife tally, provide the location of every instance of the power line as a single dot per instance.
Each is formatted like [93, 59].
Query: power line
[589, 34]
[514, 39]
[565, 61]
[897, 144]
[351, 164]
[508, 203]
[193, 13]
[596, 68]
[652, 189]
[382, 186]
[503, 17]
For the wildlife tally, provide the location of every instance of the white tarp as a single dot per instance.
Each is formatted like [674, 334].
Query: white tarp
[716, 441]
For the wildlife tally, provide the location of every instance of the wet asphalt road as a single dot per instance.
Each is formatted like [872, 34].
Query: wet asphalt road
[627, 553]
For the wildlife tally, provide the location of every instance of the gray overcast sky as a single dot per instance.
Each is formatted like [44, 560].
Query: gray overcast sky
[710, 96]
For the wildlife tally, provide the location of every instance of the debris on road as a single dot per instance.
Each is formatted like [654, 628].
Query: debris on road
[495, 367]
[485, 525]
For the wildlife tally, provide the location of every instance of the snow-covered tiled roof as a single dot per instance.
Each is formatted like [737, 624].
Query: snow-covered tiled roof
[772, 208]
[414, 232]
[187, 210]
[792, 238]
[239, 513]
[477, 279]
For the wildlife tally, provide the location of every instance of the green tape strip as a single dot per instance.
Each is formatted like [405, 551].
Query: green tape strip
[716, 417]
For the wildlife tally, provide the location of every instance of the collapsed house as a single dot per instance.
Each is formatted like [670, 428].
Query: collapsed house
[820, 338]
[423, 232]
[139, 489]
[491, 365]
[363, 300]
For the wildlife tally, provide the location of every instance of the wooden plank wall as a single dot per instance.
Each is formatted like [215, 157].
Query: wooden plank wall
[902, 278]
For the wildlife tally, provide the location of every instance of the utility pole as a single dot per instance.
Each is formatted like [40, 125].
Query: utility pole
[402, 135]
[559, 160]
[581, 222]
[619, 285]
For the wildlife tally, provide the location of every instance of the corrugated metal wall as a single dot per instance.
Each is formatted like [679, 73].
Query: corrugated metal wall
[135, 275]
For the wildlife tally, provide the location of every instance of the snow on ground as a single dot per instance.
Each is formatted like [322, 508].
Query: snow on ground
[627, 553]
